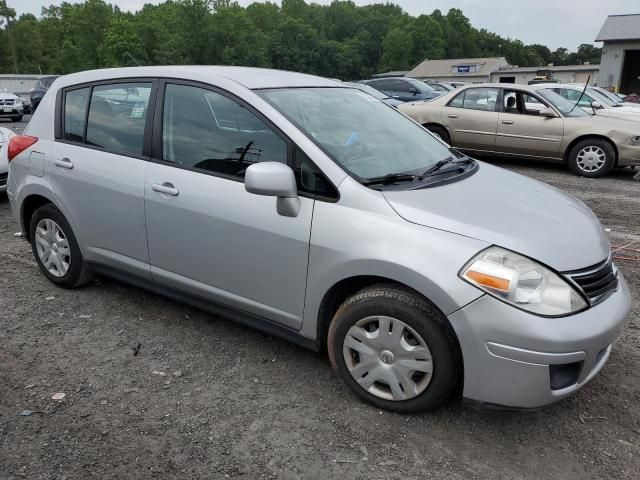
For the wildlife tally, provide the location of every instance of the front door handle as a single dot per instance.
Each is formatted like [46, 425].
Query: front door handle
[507, 122]
[64, 163]
[166, 188]
[452, 115]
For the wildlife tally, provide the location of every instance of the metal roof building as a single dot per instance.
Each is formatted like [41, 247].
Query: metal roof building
[563, 73]
[19, 84]
[470, 70]
[620, 62]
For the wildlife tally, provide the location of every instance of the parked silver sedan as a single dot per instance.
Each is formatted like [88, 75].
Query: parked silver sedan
[315, 212]
[529, 121]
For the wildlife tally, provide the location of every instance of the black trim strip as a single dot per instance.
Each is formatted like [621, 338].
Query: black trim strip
[250, 320]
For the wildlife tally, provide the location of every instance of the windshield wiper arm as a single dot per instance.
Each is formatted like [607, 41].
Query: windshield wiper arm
[437, 166]
[390, 178]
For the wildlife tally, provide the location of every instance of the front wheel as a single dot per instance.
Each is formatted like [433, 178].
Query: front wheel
[395, 350]
[592, 157]
[440, 132]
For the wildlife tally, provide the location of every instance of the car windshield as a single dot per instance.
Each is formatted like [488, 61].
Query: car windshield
[47, 81]
[600, 97]
[566, 108]
[612, 97]
[366, 137]
[370, 90]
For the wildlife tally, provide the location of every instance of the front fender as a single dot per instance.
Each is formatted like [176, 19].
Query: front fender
[349, 242]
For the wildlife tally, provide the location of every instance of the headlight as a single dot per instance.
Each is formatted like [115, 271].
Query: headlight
[522, 282]
[635, 140]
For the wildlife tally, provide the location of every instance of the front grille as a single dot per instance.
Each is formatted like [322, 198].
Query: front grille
[3, 179]
[6, 101]
[596, 282]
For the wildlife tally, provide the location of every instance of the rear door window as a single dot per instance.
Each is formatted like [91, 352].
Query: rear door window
[481, 99]
[117, 117]
[75, 112]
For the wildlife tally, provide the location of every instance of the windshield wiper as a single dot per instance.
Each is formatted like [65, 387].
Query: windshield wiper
[437, 166]
[438, 170]
[390, 178]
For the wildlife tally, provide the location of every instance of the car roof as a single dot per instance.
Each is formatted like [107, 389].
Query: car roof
[249, 77]
[511, 86]
[389, 78]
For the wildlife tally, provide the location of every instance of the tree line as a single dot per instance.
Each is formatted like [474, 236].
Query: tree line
[339, 40]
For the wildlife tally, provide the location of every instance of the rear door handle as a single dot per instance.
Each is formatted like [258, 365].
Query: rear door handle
[507, 122]
[451, 115]
[166, 188]
[64, 163]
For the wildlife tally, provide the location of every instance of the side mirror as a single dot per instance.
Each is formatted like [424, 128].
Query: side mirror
[413, 90]
[597, 105]
[547, 112]
[274, 179]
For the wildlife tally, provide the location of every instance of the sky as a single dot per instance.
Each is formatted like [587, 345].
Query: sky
[554, 23]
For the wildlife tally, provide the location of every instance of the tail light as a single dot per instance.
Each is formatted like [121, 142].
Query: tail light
[19, 144]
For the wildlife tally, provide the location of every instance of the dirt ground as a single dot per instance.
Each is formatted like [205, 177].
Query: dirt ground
[207, 398]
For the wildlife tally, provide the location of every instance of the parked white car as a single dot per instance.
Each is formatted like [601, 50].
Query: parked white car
[11, 106]
[5, 135]
[595, 102]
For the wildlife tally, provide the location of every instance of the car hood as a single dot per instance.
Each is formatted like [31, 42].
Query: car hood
[512, 211]
[9, 96]
[622, 113]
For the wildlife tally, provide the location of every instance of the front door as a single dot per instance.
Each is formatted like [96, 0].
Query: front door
[521, 131]
[98, 172]
[207, 235]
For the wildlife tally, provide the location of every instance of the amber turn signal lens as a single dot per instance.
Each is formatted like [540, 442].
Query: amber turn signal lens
[489, 281]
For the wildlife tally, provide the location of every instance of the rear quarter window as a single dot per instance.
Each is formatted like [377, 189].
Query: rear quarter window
[75, 108]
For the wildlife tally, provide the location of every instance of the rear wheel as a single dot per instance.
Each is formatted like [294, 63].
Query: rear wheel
[592, 157]
[55, 248]
[440, 132]
[395, 350]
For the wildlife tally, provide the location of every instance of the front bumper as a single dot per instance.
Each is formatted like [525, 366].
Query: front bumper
[9, 111]
[517, 359]
[628, 155]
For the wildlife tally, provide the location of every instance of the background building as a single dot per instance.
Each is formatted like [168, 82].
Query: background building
[620, 63]
[563, 73]
[469, 70]
[18, 84]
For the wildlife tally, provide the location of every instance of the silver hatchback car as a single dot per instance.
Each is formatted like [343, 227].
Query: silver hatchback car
[313, 211]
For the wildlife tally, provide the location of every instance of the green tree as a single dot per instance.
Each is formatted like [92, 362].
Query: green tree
[341, 39]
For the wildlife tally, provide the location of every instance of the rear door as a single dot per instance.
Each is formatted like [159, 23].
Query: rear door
[472, 118]
[98, 170]
[207, 235]
[521, 131]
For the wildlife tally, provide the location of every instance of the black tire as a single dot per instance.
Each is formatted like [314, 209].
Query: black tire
[77, 273]
[423, 317]
[440, 132]
[598, 145]
[17, 119]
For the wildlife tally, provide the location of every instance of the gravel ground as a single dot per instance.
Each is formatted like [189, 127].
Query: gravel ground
[207, 398]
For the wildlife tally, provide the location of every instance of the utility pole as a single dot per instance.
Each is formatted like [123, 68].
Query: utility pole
[6, 12]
